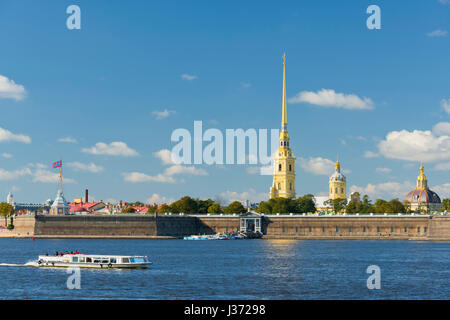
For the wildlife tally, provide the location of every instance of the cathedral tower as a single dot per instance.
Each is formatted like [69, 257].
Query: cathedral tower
[284, 161]
[338, 183]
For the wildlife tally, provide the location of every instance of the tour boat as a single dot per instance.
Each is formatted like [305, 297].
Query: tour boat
[91, 261]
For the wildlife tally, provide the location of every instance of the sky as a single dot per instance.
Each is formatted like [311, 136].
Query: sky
[106, 98]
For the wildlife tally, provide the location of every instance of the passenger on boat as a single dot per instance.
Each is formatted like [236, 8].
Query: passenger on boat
[56, 254]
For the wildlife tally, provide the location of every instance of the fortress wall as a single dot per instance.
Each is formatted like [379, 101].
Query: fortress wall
[286, 227]
[214, 224]
[440, 227]
[325, 227]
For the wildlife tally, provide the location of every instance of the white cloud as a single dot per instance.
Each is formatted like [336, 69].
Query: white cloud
[318, 165]
[386, 190]
[116, 148]
[444, 1]
[6, 135]
[166, 176]
[12, 175]
[165, 155]
[163, 114]
[442, 128]
[91, 167]
[443, 190]
[6, 155]
[437, 33]
[156, 198]
[415, 146]
[330, 98]
[445, 104]
[370, 154]
[251, 195]
[383, 170]
[46, 176]
[68, 140]
[246, 84]
[188, 77]
[10, 90]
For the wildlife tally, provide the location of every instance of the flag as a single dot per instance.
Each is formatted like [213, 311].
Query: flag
[57, 164]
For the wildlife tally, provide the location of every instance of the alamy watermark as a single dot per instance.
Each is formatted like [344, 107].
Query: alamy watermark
[236, 146]
[74, 280]
[374, 280]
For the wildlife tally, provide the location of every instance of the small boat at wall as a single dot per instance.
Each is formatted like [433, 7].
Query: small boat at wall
[207, 237]
[91, 261]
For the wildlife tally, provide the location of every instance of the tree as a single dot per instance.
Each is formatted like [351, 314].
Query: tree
[136, 204]
[337, 204]
[203, 205]
[446, 204]
[264, 207]
[366, 205]
[235, 207]
[396, 206]
[6, 210]
[152, 209]
[164, 208]
[304, 204]
[184, 205]
[282, 205]
[214, 208]
[129, 210]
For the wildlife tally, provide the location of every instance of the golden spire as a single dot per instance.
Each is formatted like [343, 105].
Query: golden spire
[284, 114]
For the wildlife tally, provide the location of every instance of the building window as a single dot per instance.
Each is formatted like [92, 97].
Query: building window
[279, 167]
[392, 229]
[425, 229]
[296, 229]
[284, 229]
[364, 229]
[290, 186]
[418, 229]
[350, 229]
[279, 186]
[406, 229]
[342, 190]
[336, 190]
[337, 229]
[323, 229]
[290, 167]
[331, 190]
[378, 229]
[310, 229]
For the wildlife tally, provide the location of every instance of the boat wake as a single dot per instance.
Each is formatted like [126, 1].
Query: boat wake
[11, 265]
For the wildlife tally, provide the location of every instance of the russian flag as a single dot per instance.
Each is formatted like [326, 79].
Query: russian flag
[57, 164]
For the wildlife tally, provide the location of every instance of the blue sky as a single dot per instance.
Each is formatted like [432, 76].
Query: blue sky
[120, 79]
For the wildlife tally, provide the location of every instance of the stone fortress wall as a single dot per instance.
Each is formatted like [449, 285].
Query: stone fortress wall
[418, 227]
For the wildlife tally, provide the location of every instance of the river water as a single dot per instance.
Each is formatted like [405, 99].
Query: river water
[240, 269]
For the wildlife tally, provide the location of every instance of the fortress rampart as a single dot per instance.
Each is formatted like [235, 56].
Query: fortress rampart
[418, 227]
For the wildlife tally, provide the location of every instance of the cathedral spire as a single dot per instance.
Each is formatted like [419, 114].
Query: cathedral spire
[284, 114]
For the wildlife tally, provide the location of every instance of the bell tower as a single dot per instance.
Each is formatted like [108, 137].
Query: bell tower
[284, 161]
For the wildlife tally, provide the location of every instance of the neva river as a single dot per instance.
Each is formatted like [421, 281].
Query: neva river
[245, 269]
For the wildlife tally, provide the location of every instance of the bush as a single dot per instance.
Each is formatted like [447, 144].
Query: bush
[10, 227]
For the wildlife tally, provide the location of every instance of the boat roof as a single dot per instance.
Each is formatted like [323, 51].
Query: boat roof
[93, 255]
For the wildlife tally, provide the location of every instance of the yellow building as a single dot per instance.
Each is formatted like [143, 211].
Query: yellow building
[338, 183]
[284, 161]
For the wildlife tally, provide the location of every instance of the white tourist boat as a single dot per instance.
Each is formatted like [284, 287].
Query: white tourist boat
[91, 261]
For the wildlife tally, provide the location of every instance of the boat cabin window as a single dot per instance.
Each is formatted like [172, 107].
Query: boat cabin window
[138, 260]
[88, 259]
[105, 260]
[82, 259]
[74, 259]
[125, 260]
[113, 260]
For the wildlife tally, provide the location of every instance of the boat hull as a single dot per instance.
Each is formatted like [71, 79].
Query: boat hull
[88, 265]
